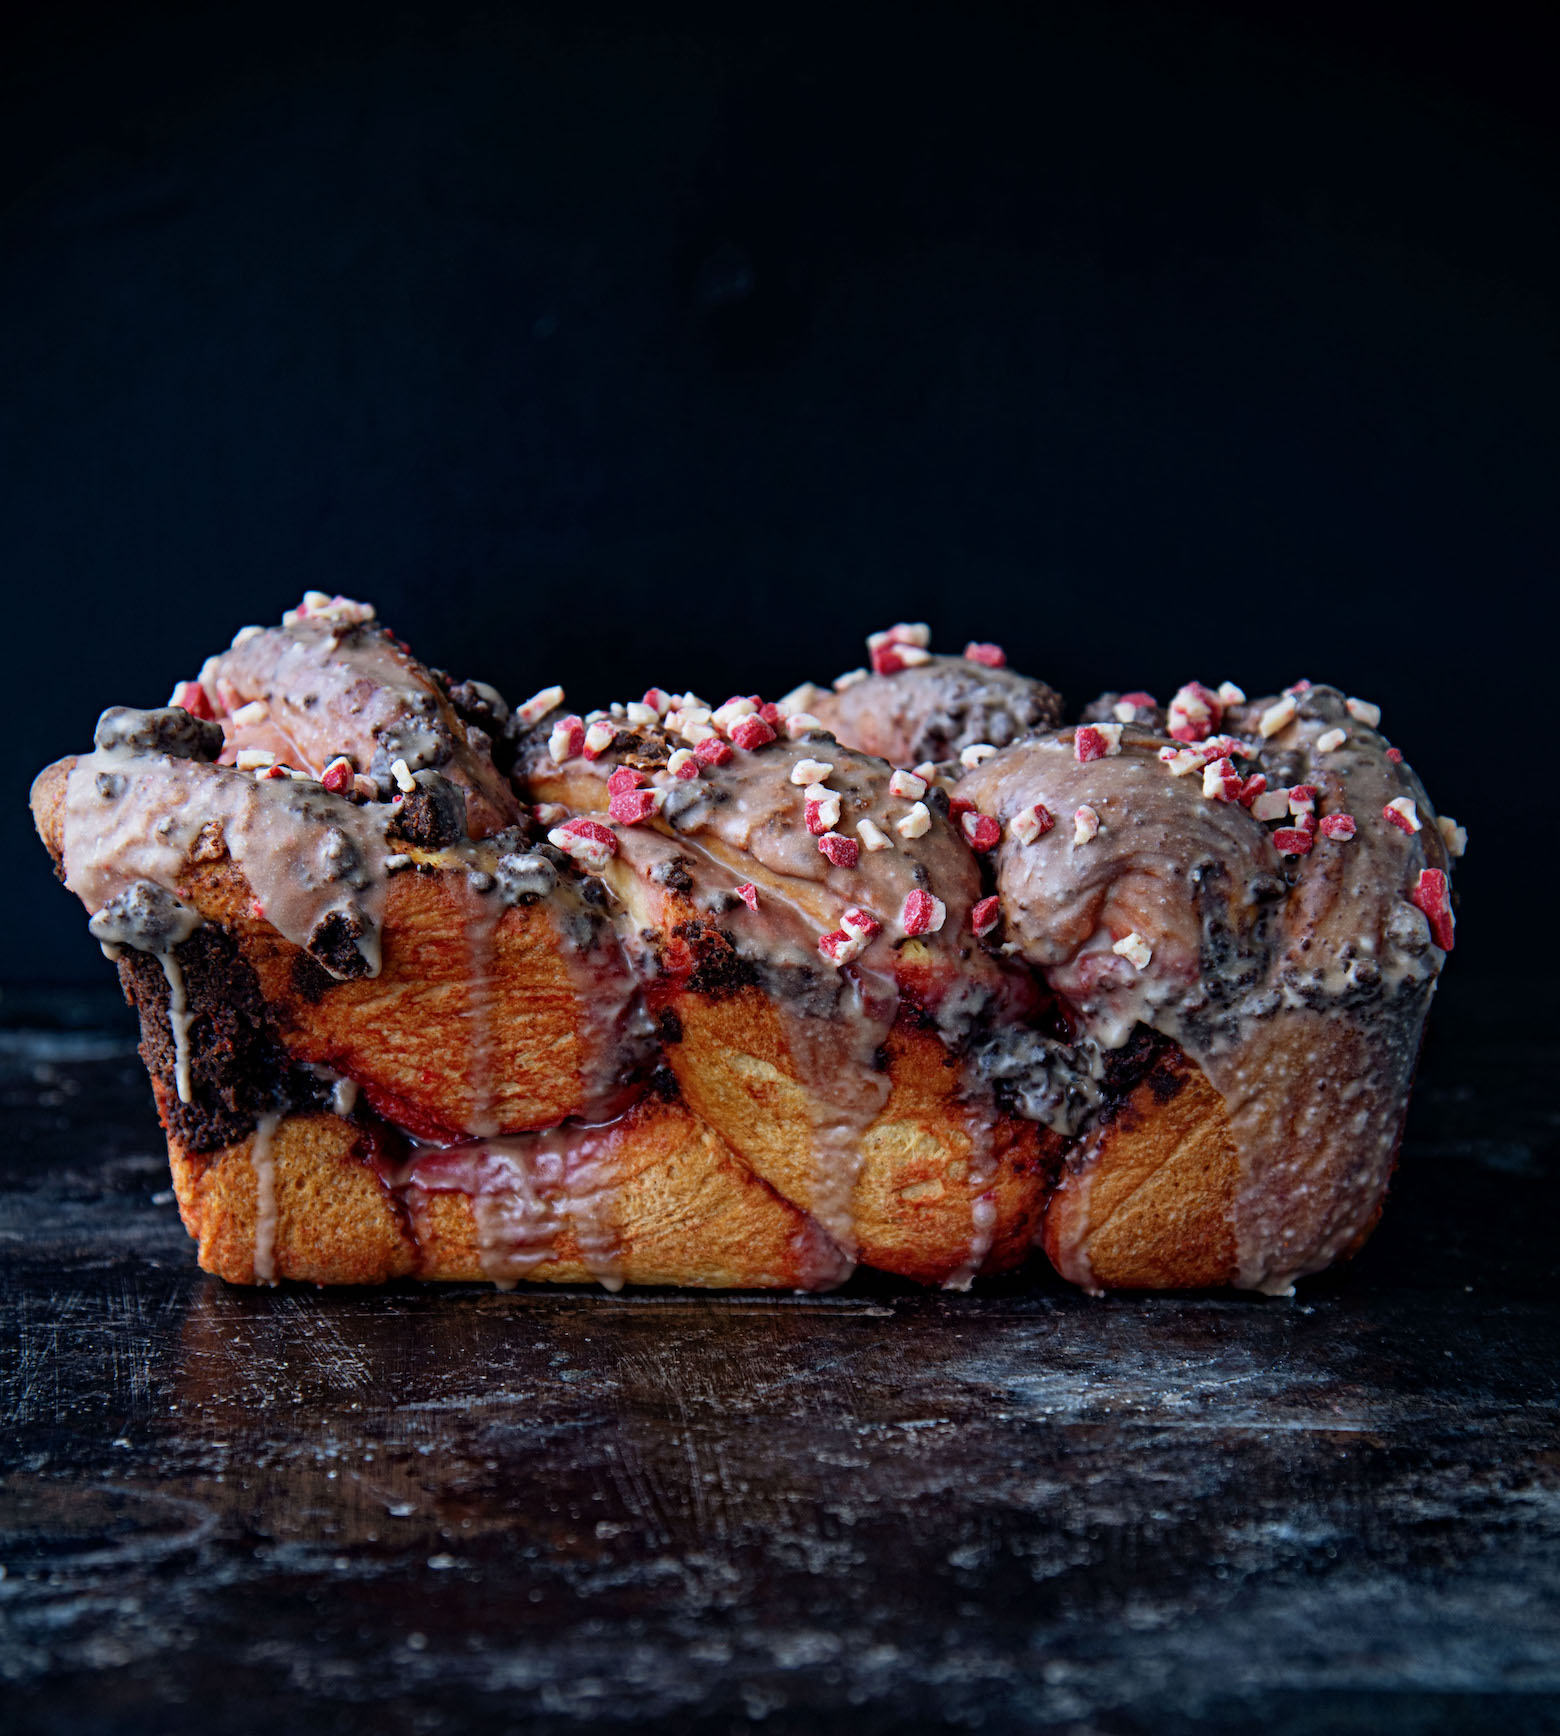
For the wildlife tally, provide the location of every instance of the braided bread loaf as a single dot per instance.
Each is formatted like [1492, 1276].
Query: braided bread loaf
[690, 995]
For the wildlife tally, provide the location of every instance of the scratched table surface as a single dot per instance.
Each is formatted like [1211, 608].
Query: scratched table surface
[448, 1509]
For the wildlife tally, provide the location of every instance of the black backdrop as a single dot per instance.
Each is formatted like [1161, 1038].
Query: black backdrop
[1151, 341]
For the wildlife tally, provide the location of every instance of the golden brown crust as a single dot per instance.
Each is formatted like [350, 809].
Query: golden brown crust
[1145, 1203]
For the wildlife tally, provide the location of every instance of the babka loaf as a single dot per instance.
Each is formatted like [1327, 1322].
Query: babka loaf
[902, 973]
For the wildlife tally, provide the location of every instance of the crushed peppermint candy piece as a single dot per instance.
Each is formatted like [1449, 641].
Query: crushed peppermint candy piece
[1339, 827]
[800, 723]
[859, 923]
[800, 700]
[1293, 841]
[988, 913]
[928, 770]
[1229, 694]
[640, 715]
[1402, 813]
[566, 740]
[1134, 949]
[537, 706]
[752, 732]
[810, 771]
[192, 697]
[1224, 747]
[598, 738]
[658, 699]
[1032, 823]
[840, 948]
[1455, 837]
[977, 753]
[696, 734]
[365, 788]
[1301, 686]
[907, 784]
[1123, 712]
[254, 713]
[1278, 716]
[901, 633]
[1086, 825]
[403, 777]
[1093, 741]
[1252, 788]
[631, 807]
[684, 763]
[1194, 712]
[338, 777]
[1330, 740]
[1181, 760]
[890, 659]
[981, 831]
[1395, 754]
[1141, 699]
[725, 716]
[843, 852]
[626, 778]
[851, 678]
[712, 751]
[1221, 781]
[590, 843]
[1362, 711]
[1302, 799]
[1270, 805]
[277, 771]
[922, 914]
[873, 835]
[992, 656]
[916, 824]
[821, 813]
[959, 806]
[748, 893]
[1433, 896]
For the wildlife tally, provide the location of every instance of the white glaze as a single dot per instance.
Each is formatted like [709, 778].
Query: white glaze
[262, 1161]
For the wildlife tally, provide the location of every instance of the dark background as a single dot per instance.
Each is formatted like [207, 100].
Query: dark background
[1151, 341]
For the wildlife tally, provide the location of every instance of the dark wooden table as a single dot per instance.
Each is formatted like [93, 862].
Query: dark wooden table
[425, 1510]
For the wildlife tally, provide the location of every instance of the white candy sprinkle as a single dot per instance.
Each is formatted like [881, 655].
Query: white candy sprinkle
[977, 752]
[1271, 805]
[873, 836]
[403, 777]
[828, 805]
[1453, 836]
[393, 864]
[810, 771]
[1362, 711]
[244, 635]
[558, 744]
[538, 705]
[639, 714]
[800, 723]
[599, 737]
[1086, 825]
[1330, 740]
[1124, 713]
[849, 679]
[1278, 716]
[617, 709]
[800, 700]
[928, 770]
[1025, 826]
[254, 759]
[1181, 760]
[248, 716]
[697, 732]
[1134, 949]
[916, 824]
[596, 715]
[728, 715]
[1230, 694]
[911, 633]
[910, 785]
[588, 852]
[912, 656]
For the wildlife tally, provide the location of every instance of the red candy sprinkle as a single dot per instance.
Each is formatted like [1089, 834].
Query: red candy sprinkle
[1194, 712]
[1302, 796]
[592, 829]
[842, 852]
[1338, 826]
[338, 776]
[714, 752]
[257, 910]
[958, 807]
[1089, 744]
[813, 814]
[981, 831]
[886, 660]
[630, 807]
[986, 915]
[751, 732]
[575, 728]
[919, 913]
[838, 946]
[1292, 841]
[749, 895]
[1139, 698]
[1252, 788]
[192, 696]
[771, 715]
[625, 778]
[993, 656]
[1395, 754]
[860, 922]
[1433, 896]
[1396, 817]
